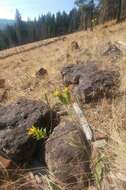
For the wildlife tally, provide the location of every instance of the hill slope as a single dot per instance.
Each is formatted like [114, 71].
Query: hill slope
[18, 66]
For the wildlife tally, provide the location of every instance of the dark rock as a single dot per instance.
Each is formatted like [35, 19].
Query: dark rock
[74, 46]
[15, 119]
[68, 155]
[91, 84]
[72, 73]
[100, 84]
[41, 73]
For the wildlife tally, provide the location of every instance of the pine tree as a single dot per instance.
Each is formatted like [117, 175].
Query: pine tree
[87, 12]
[18, 26]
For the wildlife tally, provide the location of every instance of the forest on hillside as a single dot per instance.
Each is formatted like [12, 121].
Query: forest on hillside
[86, 14]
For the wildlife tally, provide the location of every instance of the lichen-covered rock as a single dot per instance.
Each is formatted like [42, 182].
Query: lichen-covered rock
[15, 119]
[68, 156]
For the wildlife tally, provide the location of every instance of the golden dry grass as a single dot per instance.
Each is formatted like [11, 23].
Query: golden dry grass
[19, 70]
[109, 117]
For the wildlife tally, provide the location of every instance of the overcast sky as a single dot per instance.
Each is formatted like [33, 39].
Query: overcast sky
[33, 8]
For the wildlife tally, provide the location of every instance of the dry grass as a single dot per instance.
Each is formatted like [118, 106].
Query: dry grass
[109, 117]
[19, 70]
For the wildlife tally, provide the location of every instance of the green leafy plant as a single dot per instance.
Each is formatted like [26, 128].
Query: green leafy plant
[37, 133]
[99, 170]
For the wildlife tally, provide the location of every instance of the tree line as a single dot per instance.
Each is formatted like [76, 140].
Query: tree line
[86, 14]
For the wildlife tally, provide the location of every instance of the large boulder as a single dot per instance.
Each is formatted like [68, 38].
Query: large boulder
[72, 73]
[15, 119]
[91, 83]
[100, 84]
[68, 156]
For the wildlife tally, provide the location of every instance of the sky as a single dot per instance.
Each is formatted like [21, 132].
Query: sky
[33, 8]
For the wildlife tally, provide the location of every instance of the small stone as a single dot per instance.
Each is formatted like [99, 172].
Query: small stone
[41, 73]
[100, 136]
[74, 46]
[111, 50]
[6, 163]
[100, 143]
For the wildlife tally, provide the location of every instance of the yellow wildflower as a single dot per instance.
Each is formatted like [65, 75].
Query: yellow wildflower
[32, 131]
[57, 93]
[66, 90]
[37, 133]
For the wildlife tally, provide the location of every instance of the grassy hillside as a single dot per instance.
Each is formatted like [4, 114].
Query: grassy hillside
[18, 66]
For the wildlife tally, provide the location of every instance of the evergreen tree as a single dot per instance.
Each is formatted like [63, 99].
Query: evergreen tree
[87, 8]
[18, 26]
[119, 10]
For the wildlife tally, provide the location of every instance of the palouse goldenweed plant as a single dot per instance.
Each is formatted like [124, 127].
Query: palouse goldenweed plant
[63, 95]
[37, 133]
